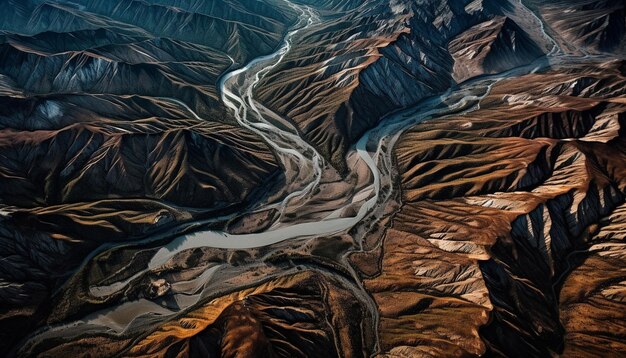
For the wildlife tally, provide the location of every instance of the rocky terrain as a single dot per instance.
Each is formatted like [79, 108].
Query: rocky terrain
[389, 178]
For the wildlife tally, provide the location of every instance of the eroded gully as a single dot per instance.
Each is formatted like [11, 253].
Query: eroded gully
[304, 168]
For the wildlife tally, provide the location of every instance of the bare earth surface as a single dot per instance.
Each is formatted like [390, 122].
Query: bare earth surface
[185, 178]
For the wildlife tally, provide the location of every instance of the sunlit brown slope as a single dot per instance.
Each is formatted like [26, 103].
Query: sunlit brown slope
[585, 25]
[491, 47]
[112, 130]
[505, 195]
[487, 262]
[320, 73]
[592, 297]
[503, 235]
[365, 61]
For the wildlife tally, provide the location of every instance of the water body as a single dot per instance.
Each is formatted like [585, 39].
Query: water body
[237, 89]
[375, 149]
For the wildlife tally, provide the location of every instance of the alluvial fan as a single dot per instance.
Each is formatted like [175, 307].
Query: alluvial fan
[300, 178]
